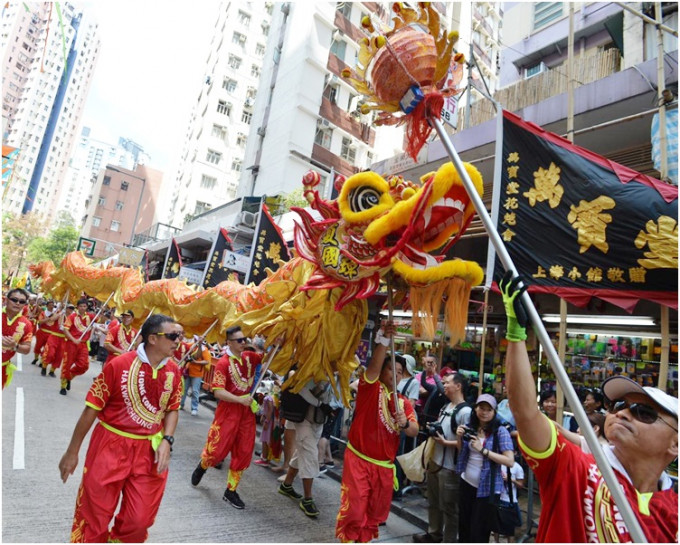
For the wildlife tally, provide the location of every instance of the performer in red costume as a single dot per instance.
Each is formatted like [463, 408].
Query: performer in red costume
[120, 336]
[53, 354]
[76, 356]
[35, 314]
[39, 330]
[369, 474]
[136, 398]
[50, 327]
[17, 331]
[233, 427]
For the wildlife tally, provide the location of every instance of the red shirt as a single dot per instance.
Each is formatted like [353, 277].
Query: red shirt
[577, 506]
[120, 337]
[48, 327]
[374, 430]
[75, 324]
[236, 375]
[19, 328]
[181, 351]
[133, 397]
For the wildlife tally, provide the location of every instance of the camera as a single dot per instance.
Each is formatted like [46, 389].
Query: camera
[469, 434]
[434, 428]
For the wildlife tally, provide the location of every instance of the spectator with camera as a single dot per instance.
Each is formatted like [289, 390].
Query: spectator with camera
[485, 445]
[443, 483]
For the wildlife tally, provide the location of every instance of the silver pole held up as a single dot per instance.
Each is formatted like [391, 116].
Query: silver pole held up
[558, 368]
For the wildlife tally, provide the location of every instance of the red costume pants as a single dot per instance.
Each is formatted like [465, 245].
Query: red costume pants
[232, 431]
[53, 353]
[117, 466]
[365, 499]
[76, 360]
[40, 341]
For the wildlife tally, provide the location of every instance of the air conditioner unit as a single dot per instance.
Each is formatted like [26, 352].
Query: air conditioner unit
[323, 123]
[249, 102]
[248, 219]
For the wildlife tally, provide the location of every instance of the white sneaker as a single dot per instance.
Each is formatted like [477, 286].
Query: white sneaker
[194, 413]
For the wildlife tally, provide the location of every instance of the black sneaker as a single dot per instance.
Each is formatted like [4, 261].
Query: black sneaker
[34, 361]
[68, 384]
[322, 469]
[309, 508]
[288, 490]
[43, 372]
[233, 498]
[219, 466]
[197, 475]
[51, 373]
[330, 465]
[63, 391]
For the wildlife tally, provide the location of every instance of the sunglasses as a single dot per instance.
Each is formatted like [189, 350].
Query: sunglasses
[644, 413]
[240, 341]
[171, 336]
[18, 301]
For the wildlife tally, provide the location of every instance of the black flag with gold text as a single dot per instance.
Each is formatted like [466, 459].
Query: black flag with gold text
[270, 247]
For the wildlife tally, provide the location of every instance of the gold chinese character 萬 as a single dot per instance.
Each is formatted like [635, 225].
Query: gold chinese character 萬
[274, 252]
[546, 187]
[513, 157]
[587, 218]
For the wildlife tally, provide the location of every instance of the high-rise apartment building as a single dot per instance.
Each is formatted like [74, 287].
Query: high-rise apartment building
[306, 116]
[89, 157]
[212, 158]
[51, 51]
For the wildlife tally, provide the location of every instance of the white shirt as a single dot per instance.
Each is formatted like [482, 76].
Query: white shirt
[413, 391]
[516, 473]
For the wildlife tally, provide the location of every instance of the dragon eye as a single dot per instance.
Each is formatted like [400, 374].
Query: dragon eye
[363, 198]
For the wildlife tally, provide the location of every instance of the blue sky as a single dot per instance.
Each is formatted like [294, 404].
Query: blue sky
[149, 72]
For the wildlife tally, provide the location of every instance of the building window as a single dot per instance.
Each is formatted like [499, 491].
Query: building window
[201, 207]
[238, 39]
[546, 12]
[323, 137]
[338, 48]
[347, 151]
[96, 221]
[208, 182]
[107, 180]
[236, 165]
[265, 29]
[269, 7]
[119, 205]
[369, 159]
[259, 50]
[246, 116]
[333, 92]
[124, 186]
[101, 201]
[255, 71]
[213, 157]
[234, 62]
[229, 84]
[115, 225]
[223, 107]
[219, 132]
[345, 8]
[241, 140]
[244, 19]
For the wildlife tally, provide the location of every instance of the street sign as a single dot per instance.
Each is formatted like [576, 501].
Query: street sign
[235, 262]
[191, 275]
[87, 246]
[130, 256]
[450, 112]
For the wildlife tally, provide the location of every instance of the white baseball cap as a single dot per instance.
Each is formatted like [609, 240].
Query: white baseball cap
[410, 363]
[618, 387]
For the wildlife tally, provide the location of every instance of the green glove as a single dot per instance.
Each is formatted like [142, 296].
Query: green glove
[254, 406]
[514, 309]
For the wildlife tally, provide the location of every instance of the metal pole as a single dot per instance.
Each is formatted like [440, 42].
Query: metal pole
[180, 363]
[390, 307]
[660, 85]
[648, 19]
[483, 346]
[265, 367]
[560, 373]
[665, 349]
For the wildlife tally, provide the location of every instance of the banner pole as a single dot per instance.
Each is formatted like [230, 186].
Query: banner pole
[96, 316]
[559, 370]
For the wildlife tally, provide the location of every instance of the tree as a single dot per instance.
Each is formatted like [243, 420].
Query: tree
[17, 233]
[294, 198]
[63, 238]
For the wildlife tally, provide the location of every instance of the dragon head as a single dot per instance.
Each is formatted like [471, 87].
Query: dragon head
[377, 225]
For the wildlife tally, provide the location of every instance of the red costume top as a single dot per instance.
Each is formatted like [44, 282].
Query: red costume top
[54, 327]
[19, 328]
[120, 336]
[234, 375]
[181, 351]
[375, 431]
[133, 397]
[75, 324]
[577, 504]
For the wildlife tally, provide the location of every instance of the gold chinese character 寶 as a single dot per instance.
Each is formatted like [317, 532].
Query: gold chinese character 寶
[587, 218]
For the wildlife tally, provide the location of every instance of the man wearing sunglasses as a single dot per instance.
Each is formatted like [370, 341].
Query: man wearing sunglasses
[233, 426]
[136, 399]
[642, 428]
[17, 331]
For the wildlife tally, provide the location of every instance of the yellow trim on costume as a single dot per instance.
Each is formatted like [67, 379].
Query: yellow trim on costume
[92, 406]
[155, 438]
[9, 372]
[382, 463]
[551, 448]
[52, 333]
[643, 502]
[16, 317]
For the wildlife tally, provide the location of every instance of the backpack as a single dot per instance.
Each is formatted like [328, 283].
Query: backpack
[293, 406]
